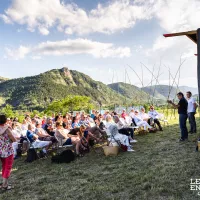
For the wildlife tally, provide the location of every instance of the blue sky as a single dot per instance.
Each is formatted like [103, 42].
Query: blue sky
[98, 38]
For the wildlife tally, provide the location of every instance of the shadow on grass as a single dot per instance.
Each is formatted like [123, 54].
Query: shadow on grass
[160, 168]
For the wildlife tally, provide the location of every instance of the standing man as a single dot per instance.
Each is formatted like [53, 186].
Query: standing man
[192, 105]
[182, 111]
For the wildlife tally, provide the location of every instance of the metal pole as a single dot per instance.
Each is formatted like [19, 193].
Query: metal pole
[198, 60]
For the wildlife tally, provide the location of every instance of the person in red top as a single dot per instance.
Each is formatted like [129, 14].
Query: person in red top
[123, 115]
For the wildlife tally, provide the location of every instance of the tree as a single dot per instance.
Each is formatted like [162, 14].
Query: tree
[71, 103]
[8, 110]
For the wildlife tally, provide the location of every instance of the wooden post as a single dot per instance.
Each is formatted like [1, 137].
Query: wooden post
[198, 60]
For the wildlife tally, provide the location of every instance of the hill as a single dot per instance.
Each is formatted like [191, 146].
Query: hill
[2, 79]
[36, 91]
[130, 91]
[162, 91]
[184, 89]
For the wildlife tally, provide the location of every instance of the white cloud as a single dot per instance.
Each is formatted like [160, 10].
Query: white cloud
[70, 47]
[36, 57]
[43, 30]
[17, 54]
[5, 19]
[178, 15]
[175, 16]
[107, 18]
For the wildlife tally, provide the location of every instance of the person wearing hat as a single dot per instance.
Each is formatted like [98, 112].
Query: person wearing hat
[182, 107]
[154, 117]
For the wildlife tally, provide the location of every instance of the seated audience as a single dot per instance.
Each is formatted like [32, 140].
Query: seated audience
[75, 122]
[49, 127]
[112, 132]
[36, 143]
[123, 115]
[144, 116]
[64, 137]
[42, 134]
[154, 118]
[93, 114]
[132, 113]
[16, 133]
[139, 122]
[123, 128]
[84, 121]
[24, 125]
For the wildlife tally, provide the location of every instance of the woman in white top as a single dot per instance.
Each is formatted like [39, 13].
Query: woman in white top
[140, 122]
[132, 113]
[24, 125]
[144, 116]
[17, 136]
[112, 129]
[63, 137]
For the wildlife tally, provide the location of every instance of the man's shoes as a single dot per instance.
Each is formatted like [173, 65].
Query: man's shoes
[181, 140]
[191, 132]
[160, 129]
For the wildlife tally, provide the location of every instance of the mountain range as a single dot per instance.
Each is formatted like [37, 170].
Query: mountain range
[36, 92]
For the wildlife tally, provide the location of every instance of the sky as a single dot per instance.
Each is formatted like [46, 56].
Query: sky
[109, 40]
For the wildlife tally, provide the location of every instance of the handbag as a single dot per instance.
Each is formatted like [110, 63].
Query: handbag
[32, 155]
[121, 146]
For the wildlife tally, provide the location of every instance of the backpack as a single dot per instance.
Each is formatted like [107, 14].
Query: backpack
[31, 155]
[65, 157]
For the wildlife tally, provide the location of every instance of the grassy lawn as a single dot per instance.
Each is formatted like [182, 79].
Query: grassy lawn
[160, 168]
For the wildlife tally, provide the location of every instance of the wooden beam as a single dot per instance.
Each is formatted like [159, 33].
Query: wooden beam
[193, 38]
[180, 34]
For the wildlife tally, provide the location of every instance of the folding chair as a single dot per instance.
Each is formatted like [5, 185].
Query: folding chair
[31, 147]
[60, 144]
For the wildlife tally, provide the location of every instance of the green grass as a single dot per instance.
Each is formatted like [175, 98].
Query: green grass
[159, 169]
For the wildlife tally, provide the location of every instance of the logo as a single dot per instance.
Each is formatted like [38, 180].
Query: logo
[195, 185]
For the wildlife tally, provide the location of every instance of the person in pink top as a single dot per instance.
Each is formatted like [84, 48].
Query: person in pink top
[6, 151]
[123, 115]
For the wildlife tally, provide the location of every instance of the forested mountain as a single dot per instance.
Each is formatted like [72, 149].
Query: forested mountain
[37, 91]
[163, 91]
[130, 91]
[2, 79]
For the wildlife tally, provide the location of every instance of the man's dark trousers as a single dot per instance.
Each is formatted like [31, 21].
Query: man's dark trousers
[183, 127]
[191, 117]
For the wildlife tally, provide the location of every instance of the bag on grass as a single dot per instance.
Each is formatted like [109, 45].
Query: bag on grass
[31, 155]
[123, 147]
[65, 157]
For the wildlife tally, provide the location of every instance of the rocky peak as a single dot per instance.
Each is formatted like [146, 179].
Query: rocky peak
[67, 73]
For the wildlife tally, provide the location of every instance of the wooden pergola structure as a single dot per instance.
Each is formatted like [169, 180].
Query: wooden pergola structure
[195, 37]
